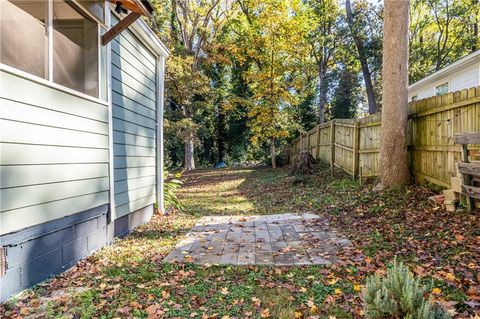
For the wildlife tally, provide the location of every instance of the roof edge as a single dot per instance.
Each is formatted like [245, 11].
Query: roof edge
[471, 58]
[150, 36]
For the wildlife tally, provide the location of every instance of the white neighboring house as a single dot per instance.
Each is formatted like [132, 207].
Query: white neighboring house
[463, 74]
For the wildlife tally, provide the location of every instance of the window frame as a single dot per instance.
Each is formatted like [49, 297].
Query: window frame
[441, 85]
[102, 96]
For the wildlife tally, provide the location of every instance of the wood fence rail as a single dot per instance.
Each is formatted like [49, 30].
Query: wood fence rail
[354, 144]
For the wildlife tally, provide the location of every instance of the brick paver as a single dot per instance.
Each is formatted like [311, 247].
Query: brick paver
[281, 240]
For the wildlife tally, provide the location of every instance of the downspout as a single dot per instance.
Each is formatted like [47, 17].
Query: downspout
[112, 215]
[160, 97]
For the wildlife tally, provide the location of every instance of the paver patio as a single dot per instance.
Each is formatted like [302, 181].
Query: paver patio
[282, 240]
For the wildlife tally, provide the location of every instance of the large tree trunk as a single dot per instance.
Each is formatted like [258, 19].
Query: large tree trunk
[393, 149]
[321, 93]
[367, 75]
[189, 153]
[272, 153]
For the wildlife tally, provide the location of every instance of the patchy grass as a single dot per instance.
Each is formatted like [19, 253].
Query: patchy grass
[128, 280]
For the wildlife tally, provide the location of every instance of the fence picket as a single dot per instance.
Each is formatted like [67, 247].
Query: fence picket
[354, 145]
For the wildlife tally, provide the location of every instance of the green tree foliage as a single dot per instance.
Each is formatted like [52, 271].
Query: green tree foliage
[271, 34]
[347, 94]
[441, 32]
[246, 76]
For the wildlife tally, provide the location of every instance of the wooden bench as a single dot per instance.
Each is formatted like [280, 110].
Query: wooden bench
[469, 169]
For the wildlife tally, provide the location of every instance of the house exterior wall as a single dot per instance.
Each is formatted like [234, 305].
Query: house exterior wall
[134, 88]
[54, 153]
[463, 77]
[54, 182]
[75, 171]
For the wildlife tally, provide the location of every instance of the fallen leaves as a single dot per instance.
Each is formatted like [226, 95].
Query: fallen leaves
[128, 278]
[224, 291]
[265, 313]
[436, 291]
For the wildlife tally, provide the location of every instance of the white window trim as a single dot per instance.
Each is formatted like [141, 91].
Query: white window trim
[442, 83]
[50, 84]
[49, 80]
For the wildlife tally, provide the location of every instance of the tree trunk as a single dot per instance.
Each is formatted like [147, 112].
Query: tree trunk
[221, 134]
[272, 153]
[475, 26]
[189, 153]
[367, 75]
[393, 149]
[321, 93]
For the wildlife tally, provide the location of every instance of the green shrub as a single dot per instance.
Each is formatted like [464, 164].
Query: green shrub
[169, 190]
[399, 295]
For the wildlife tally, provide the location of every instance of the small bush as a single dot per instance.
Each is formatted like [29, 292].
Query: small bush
[170, 190]
[399, 295]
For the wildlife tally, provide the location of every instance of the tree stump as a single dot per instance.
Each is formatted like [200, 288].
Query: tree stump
[302, 164]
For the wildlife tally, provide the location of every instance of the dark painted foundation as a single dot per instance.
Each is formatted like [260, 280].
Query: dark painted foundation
[39, 252]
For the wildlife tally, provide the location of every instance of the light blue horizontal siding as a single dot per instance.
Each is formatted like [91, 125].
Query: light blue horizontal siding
[132, 128]
[53, 153]
[131, 59]
[27, 133]
[130, 42]
[122, 174]
[28, 175]
[129, 90]
[145, 75]
[134, 194]
[19, 197]
[134, 161]
[132, 139]
[132, 117]
[134, 183]
[131, 105]
[146, 87]
[130, 150]
[38, 214]
[135, 205]
[134, 124]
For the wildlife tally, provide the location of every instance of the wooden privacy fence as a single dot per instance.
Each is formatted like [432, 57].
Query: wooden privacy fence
[354, 144]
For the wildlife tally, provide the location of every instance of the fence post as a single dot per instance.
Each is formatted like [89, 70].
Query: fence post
[318, 142]
[308, 142]
[332, 146]
[356, 155]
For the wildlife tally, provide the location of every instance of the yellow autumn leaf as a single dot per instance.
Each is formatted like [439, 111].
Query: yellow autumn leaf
[338, 291]
[436, 291]
[333, 281]
[450, 277]
[303, 289]
[298, 314]
[357, 288]
[314, 309]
